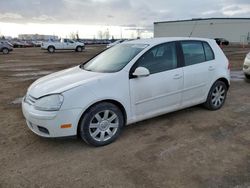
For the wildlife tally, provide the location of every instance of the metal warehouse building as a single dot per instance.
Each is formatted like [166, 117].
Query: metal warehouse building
[36, 37]
[235, 30]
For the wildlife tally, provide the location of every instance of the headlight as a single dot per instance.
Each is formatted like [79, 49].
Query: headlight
[49, 103]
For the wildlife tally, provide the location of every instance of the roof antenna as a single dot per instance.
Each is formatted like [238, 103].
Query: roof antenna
[191, 33]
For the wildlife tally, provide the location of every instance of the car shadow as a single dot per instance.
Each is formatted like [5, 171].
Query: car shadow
[165, 122]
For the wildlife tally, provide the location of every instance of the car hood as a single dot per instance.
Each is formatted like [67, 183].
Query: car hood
[62, 81]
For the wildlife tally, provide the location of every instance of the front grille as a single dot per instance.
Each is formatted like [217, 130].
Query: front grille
[30, 100]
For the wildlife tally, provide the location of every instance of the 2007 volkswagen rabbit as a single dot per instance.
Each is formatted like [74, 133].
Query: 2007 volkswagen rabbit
[129, 82]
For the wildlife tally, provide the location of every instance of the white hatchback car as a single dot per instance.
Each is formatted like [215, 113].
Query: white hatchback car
[127, 83]
[246, 66]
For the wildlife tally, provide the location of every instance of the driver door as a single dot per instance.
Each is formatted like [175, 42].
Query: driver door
[161, 90]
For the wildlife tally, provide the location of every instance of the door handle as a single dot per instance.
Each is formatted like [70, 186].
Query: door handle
[211, 68]
[177, 76]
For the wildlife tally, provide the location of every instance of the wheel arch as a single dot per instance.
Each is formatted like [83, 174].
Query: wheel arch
[79, 46]
[51, 46]
[112, 101]
[224, 80]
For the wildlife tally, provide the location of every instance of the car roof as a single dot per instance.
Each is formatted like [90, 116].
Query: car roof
[155, 41]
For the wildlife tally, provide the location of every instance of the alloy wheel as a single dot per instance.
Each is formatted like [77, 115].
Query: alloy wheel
[5, 51]
[218, 96]
[103, 125]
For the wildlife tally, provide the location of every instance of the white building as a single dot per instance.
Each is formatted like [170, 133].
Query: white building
[235, 30]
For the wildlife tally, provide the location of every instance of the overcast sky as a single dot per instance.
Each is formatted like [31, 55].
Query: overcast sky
[134, 13]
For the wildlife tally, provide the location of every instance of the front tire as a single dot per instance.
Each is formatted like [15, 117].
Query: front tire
[51, 49]
[101, 124]
[216, 96]
[5, 51]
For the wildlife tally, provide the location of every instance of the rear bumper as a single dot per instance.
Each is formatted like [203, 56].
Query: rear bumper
[49, 124]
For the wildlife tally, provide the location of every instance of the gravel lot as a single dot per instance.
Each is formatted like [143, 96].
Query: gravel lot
[189, 148]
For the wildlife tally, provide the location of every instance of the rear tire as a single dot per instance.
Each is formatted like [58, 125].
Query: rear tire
[5, 50]
[101, 124]
[51, 49]
[78, 49]
[216, 96]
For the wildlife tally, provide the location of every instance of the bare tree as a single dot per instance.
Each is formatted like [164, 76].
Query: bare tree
[106, 34]
[74, 35]
[100, 34]
[77, 36]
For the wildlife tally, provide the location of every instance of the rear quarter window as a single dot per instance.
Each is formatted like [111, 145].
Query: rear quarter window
[208, 52]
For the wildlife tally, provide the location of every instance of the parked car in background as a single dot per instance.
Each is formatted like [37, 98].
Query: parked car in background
[5, 47]
[127, 83]
[20, 44]
[36, 43]
[115, 43]
[63, 44]
[222, 41]
[17, 44]
[246, 66]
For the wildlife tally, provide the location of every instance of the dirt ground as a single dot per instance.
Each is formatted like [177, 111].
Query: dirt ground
[189, 148]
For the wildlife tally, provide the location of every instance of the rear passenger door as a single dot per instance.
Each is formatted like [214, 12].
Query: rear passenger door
[71, 44]
[199, 66]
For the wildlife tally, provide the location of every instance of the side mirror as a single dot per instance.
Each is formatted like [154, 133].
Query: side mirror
[141, 72]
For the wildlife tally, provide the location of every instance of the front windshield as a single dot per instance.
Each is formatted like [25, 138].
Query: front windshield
[115, 58]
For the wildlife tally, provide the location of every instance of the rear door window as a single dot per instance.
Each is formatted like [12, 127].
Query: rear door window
[193, 52]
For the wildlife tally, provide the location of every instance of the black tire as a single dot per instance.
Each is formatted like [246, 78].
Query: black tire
[247, 76]
[79, 49]
[215, 102]
[5, 50]
[51, 49]
[93, 135]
